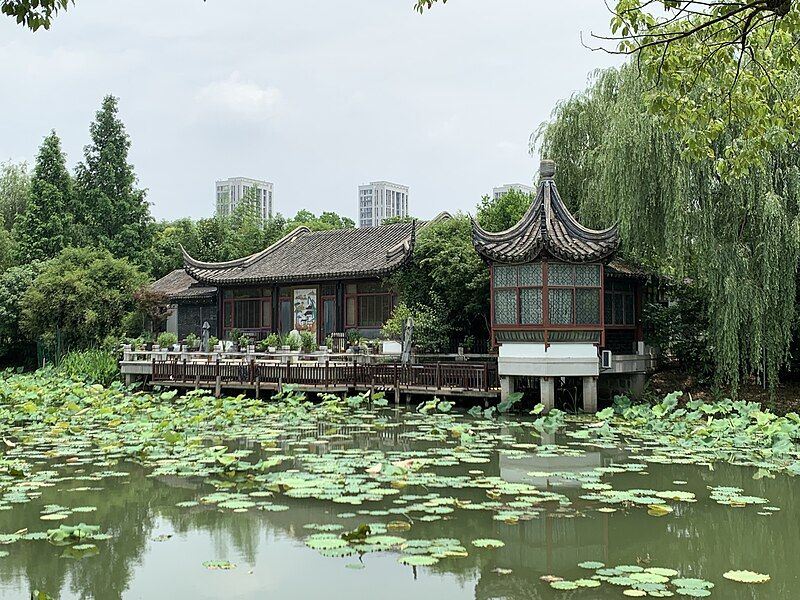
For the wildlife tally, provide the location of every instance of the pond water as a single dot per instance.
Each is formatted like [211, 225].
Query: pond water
[155, 549]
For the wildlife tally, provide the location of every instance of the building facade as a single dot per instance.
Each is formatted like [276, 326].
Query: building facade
[322, 282]
[231, 192]
[562, 305]
[517, 187]
[381, 200]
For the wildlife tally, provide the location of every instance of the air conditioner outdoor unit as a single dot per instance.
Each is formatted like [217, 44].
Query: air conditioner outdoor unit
[605, 359]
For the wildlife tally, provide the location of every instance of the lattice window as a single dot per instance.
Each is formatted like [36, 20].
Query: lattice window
[530, 275]
[505, 276]
[505, 307]
[531, 306]
[561, 274]
[560, 306]
[587, 275]
[587, 306]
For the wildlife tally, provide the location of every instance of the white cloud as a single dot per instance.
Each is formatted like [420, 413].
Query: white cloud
[241, 99]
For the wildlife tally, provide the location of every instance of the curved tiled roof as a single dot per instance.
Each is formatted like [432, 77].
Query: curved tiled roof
[546, 228]
[179, 285]
[305, 255]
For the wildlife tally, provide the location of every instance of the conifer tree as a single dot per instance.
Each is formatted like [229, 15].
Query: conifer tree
[113, 211]
[43, 229]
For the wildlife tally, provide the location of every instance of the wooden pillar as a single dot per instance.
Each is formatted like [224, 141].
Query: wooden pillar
[218, 385]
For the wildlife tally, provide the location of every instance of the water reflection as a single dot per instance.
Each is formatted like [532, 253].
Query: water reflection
[701, 539]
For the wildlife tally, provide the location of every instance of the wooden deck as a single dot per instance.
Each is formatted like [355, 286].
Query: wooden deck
[262, 375]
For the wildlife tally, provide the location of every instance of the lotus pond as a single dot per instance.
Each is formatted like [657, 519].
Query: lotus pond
[108, 493]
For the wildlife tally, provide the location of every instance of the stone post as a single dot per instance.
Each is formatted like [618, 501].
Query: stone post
[590, 394]
[506, 387]
[547, 389]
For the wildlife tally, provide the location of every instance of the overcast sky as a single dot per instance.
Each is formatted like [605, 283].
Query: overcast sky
[317, 96]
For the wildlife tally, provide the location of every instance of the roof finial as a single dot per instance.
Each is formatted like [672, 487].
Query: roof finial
[547, 169]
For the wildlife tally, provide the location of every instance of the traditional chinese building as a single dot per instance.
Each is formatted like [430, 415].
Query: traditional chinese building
[316, 281]
[559, 298]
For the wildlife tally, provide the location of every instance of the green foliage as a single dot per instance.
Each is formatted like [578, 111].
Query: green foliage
[91, 366]
[724, 73]
[738, 241]
[45, 227]
[504, 212]
[14, 282]
[113, 213]
[308, 341]
[14, 189]
[34, 14]
[680, 330]
[82, 296]
[326, 221]
[166, 339]
[447, 275]
[430, 328]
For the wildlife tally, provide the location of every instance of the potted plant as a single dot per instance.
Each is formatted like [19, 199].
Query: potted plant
[294, 341]
[308, 341]
[192, 341]
[212, 343]
[270, 343]
[244, 342]
[353, 338]
[166, 340]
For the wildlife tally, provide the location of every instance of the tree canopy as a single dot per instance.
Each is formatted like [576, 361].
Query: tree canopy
[45, 226]
[34, 14]
[737, 239]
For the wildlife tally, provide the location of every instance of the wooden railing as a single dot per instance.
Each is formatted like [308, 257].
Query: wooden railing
[476, 376]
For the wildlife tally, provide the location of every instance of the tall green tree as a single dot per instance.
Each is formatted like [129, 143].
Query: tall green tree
[739, 239]
[446, 277]
[45, 226]
[113, 211]
[15, 345]
[14, 188]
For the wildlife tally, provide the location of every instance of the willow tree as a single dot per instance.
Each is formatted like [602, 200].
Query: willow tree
[737, 237]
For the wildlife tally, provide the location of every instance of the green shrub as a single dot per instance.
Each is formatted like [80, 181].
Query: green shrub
[308, 341]
[430, 334]
[167, 339]
[92, 366]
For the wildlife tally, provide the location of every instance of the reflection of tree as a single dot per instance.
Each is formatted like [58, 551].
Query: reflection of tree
[125, 510]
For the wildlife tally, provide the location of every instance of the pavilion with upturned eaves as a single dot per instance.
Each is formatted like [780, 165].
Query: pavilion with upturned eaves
[562, 305]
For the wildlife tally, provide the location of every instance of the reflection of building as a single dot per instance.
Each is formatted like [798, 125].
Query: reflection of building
[231, 192]
[559, 296]
[381, 200]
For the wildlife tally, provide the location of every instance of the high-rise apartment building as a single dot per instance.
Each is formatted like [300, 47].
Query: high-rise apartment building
[381, 200]
[517, 187]
[231, 192]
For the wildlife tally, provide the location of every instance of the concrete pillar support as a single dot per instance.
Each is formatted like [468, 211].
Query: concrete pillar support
[637, 383]
[547, 387]
[590, 394]
[506, 387]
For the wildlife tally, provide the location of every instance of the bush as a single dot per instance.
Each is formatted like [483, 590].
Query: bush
[308, 341]
[431, 334]
[80, 297]
[167, 339]
[293, 341]
[91, 366]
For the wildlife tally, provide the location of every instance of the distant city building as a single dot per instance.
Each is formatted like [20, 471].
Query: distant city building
[381, 200]
[517, 187]
[230, 193]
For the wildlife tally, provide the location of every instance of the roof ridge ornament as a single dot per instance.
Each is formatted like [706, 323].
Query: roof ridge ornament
[547, 169]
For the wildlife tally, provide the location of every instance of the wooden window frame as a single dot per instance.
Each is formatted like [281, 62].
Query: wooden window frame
[546, 326]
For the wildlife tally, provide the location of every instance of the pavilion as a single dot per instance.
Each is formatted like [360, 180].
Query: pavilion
[562, 305]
